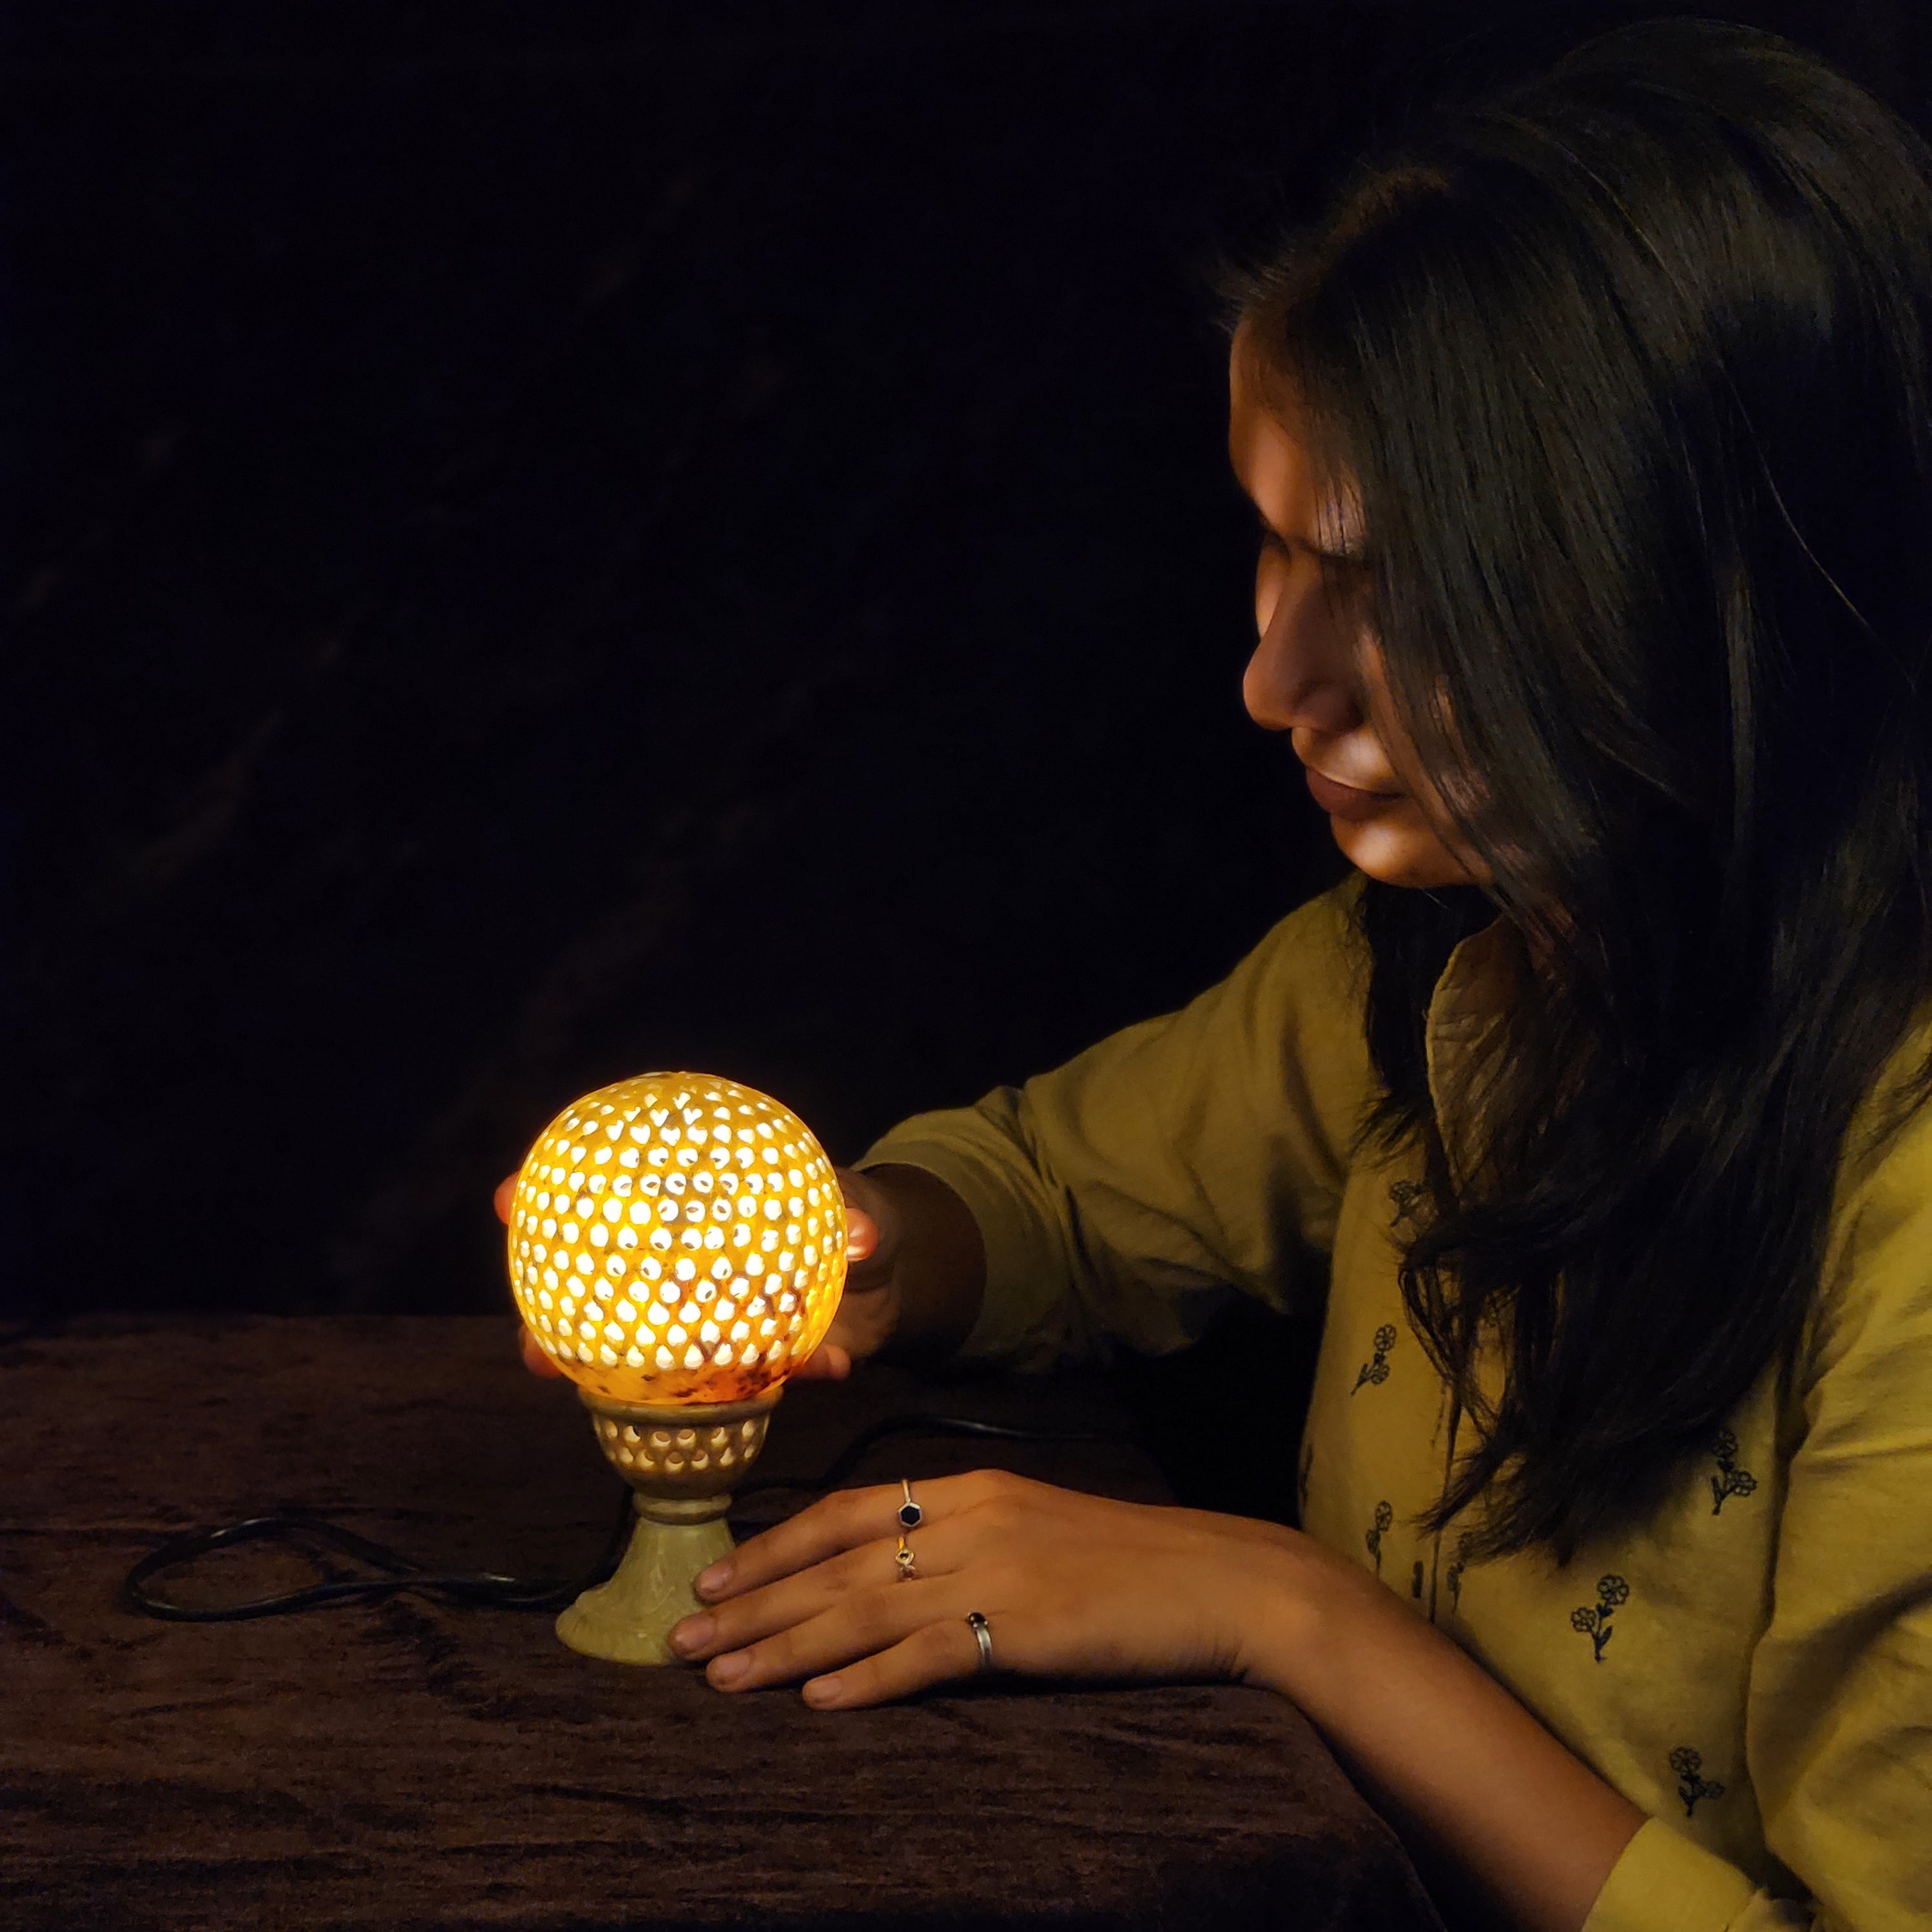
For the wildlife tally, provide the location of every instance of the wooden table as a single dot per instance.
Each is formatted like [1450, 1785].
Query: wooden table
[409, 1765]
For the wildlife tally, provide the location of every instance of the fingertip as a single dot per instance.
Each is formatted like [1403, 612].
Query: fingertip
[828, 1362]
[862, 1235]
[535, 1357]
[504, 1198]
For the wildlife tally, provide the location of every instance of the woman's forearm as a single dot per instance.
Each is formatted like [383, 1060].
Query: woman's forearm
[1452, 1758]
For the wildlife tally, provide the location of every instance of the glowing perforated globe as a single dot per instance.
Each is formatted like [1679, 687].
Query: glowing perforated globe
[677, 1238]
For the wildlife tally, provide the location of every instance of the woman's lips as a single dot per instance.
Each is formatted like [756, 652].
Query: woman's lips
[1341, 801]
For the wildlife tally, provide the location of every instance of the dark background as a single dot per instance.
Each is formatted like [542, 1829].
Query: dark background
[549, 541]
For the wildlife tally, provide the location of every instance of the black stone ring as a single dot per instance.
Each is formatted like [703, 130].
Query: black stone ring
[910, 1515]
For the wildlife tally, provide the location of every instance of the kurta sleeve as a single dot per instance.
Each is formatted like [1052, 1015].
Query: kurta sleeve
[1839, 1717]
[1121, 1194]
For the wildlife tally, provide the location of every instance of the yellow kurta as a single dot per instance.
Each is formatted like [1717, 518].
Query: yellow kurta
[1753, 1667]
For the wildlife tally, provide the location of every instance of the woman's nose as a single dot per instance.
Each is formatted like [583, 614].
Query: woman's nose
[1292, 682]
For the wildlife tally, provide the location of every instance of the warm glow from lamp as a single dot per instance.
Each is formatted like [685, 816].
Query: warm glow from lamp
[676, 1243]
[677, 1238]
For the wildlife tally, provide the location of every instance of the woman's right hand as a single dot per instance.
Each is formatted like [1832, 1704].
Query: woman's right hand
[868, 1311]
[868, 1316]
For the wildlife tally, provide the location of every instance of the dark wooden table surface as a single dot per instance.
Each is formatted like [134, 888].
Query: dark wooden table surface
[407, 1764]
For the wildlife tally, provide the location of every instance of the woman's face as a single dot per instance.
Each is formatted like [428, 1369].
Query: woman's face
[1317, 673]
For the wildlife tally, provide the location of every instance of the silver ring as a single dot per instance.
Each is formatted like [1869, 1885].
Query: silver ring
[910, 1515]
[977, 1624]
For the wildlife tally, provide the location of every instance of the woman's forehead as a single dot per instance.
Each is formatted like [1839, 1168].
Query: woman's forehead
[1273, 454]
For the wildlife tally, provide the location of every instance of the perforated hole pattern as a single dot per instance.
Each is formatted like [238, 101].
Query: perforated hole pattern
[676, 1452]
[677, 1238]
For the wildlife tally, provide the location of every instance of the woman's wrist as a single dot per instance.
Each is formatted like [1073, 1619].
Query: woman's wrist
[1299, 1617]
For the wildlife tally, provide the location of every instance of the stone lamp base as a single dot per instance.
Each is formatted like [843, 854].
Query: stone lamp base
[683, 1460]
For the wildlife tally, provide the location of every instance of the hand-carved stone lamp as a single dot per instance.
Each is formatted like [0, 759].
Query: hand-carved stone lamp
[676, 1244]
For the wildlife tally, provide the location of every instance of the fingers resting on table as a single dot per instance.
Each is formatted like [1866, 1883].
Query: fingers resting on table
[823, 1590]
[1069, 1584]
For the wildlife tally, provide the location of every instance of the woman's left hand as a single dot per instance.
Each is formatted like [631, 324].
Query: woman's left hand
[1070, 1584]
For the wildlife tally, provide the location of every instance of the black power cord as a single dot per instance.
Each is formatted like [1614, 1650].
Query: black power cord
[291, 1522]
[485, 1589]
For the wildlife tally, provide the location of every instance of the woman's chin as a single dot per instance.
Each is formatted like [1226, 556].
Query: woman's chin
[1399, 847]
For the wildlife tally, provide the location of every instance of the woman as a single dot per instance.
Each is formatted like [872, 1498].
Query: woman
[1589, 440]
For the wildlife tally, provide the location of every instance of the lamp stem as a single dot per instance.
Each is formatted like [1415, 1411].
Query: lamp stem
[682, 1460]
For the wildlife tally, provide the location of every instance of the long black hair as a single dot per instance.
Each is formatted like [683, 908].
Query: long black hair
[1628, 365]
